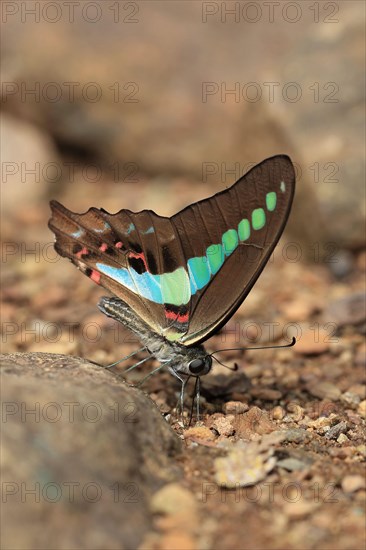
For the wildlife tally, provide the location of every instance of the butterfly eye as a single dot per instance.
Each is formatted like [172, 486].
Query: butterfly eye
[196, 366]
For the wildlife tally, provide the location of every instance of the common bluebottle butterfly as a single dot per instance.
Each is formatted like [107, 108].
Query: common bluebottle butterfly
[176, 281]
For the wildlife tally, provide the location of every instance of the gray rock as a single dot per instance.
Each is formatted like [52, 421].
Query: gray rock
[82, 455]
[291, 464]
[335, 431]
[296, 435]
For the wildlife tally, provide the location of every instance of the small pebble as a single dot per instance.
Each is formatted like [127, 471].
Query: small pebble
[345, 358]
[361, 409]
[267, 394]
[255, 421]
[352, 483]
[361, 449]
[253, 371]
[299, 509]
[327, 408]
[321, 424]
[342, 439]
[298, 310]
[235, 407]
[291, 464]
[224, 425]
[341, 452]
[354, 417]
[278, 413]
[245, 464]
[344, 264]
[335, 431]
[296, 411]
[312, 344]
[291, 380]
[324, 390]
[296, 435]
[336, 349]
[171, 498]
[350, 399]
[358, 389]
[199, 432]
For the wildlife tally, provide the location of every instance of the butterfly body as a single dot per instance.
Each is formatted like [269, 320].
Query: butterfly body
[181, 360]
[176, 281]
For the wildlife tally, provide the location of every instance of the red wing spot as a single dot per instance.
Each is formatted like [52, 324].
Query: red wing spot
[139, 256]
[177, 317]
[119, 244]
[103, 247]
[95, 276]
[83, 252]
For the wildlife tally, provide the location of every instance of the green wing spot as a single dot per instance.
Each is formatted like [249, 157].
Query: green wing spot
[244, 229]
[199, 272]
[283, 186]
[172, 335]
[175, 287]
[258, 218]
[271, 200]
[230, 241]
[215, 256]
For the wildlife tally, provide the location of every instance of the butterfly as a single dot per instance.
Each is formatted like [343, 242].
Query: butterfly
[176, 281]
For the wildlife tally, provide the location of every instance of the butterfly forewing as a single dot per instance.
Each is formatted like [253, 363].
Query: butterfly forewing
[185, 275]
[245, 223]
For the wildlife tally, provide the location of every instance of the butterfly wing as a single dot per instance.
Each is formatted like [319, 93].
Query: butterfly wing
[229, 238]
[185, 275]
[137, 256]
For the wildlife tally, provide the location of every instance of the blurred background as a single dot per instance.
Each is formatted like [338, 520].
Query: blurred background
[158, 104]
[155, 105]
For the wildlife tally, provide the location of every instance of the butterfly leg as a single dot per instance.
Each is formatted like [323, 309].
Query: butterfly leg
[126, 357]
[150, 374]
[198, 390]
[181, 395]
[196, 397]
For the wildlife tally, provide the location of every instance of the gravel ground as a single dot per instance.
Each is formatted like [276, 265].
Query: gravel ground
[277, 459]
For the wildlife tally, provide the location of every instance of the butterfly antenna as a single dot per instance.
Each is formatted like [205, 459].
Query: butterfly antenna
[234, 368]
[124, 358]
[292, 343]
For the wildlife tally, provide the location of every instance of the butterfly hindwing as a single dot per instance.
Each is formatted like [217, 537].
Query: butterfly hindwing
[136, 256]
[185, 275]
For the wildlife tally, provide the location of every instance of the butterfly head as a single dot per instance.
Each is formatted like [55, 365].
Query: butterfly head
[200, 366]
[192, 361]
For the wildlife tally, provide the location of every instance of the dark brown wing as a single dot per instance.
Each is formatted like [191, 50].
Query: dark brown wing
[256, 209]
[137, 256]
[185, 275]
